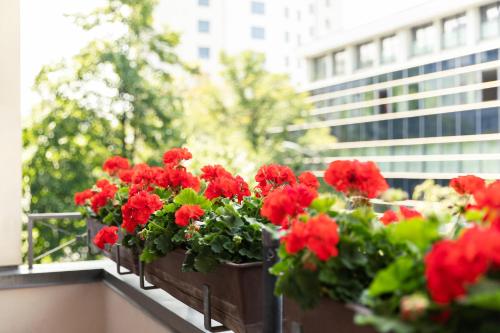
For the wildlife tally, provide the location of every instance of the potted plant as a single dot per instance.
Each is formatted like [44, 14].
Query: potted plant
[449, 278]
[329, 255]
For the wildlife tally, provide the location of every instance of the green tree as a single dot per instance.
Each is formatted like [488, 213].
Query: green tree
[116, 96]
[237, 114]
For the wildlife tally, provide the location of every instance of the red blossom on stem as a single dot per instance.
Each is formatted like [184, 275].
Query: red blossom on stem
[404, 213]
[356, 178]
[138, 209]
[107, 235]
[222, 184]
[272, 176]
[106, 191]
[187, 213]
[467, 184]
[309, 179]
[453, 265]
[175, 155]
[319, 235]
[114, 165]
[81, 198]
[285, 203]
[488, 199]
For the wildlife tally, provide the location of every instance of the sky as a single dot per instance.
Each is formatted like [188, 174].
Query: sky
[46, 37]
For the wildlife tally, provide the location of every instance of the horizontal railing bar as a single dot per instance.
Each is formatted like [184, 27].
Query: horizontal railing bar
[45, 216]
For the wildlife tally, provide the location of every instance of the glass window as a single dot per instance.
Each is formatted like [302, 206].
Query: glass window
[203, 26]
[339, 62]
[319, 68]
[258, 33]
[366, 55]
[204, 3]
[449, 124]
[389, 47]
[454, 31]
[490, 20]
[489, 120]
[423, 39]
[204, 53]
[468, 123]
[258, 7]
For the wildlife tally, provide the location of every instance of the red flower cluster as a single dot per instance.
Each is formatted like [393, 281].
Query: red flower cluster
[272, 176]
[138, 209]
[175, 155]
[222, 184]
[187, 212]
[452, 266]
[81, 198]
[114, 165]
[107, 235]
[309, 179]
[177, 178]
[404, 213]
[287, 202]
[98, 196]
[489, 199]
[467, 184]
[319, 235]
[105, 193]
[356, 178]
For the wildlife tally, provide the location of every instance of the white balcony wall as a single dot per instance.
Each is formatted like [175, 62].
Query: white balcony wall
[10, 134]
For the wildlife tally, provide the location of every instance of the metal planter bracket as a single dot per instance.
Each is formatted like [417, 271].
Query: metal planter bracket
[142, 280]
[207, 311]
[119, 262]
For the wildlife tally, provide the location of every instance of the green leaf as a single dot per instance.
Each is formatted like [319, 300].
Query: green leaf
[393, 278]
[422, 233]
[484, 294]
[205, 263]
[323, 204]
[189, 197]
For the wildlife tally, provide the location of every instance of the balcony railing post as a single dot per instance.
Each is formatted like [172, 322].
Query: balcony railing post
[273, 305]
[30, 242]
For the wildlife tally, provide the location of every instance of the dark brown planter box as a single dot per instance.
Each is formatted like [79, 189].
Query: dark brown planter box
[128, 259]
[327, 316]
[236, 290]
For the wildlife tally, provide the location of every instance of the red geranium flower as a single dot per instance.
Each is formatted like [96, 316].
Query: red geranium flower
[309, 179]
[106, 191]
[356, 178]
[126, 175]
[404, 213]
[452, 266]
[488, 198]
[107, 235]
[222, 184]
[467, 184]
[212, 172]
[82, 197]
[138, 209]
[287, 202]
[177, 178]
[319, 235]
[272, 176]
[175, 155]
[187, 212]
[115, 164]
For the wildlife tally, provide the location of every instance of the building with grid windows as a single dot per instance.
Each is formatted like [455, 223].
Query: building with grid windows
[418, 94]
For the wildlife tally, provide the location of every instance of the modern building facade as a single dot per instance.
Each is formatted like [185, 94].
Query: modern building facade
[416, 93]
[276, 28]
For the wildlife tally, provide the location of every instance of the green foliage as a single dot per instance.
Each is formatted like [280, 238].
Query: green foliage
[230, 232]
[364, 249]
[417, 233]
[115, 97]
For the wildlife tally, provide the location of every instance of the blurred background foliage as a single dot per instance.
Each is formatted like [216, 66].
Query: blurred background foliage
[129, 94]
